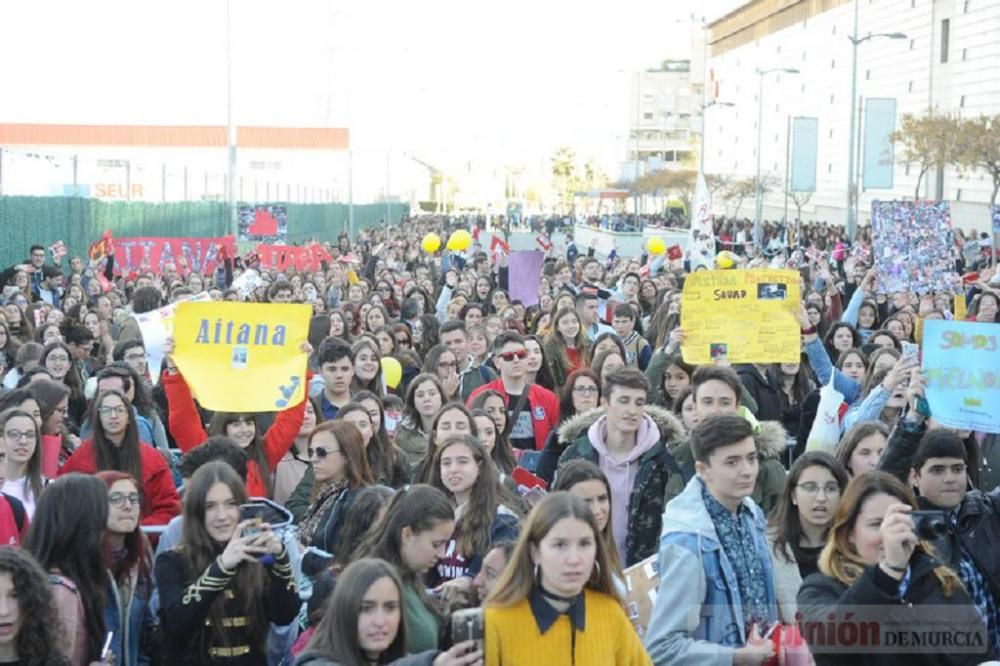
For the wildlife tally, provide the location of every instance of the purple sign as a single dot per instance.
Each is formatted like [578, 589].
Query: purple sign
[525, 275]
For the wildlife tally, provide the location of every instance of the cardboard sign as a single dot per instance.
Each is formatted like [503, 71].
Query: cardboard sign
[742, 316]
[914, 247]
[156, 326]
[642, 581]
[961, 362]
[242, 357]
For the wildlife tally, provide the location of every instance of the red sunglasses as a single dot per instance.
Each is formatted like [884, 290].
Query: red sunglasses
[511, 355]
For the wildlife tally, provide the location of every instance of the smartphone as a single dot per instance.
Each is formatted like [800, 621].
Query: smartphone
[467, 625]
[252, 511]
[911, 350]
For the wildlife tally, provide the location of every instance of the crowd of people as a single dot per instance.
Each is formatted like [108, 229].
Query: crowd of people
[490, 505]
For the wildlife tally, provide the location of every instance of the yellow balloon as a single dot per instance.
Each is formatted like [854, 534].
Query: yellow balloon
[655, 245]
[431, 243]
[459, 240]
[725, 259]
[392, 371]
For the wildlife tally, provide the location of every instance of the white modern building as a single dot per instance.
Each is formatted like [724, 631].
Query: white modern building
[664, 110]
[948, 60]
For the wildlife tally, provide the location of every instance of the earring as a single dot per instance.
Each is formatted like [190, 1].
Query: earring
[537, 578]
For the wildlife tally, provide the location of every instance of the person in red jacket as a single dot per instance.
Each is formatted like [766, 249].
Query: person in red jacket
[115, 445]
[532, 411]
[263, 453]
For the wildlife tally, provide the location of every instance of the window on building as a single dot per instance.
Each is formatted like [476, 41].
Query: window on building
[958, 194]
[912, 42]
[961, 102]
[909, 87]
[647, 116]
[868, 75]
[945, 37]
[965, 53]
[833, 64]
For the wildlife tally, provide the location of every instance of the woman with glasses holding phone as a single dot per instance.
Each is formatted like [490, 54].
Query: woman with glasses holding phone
[340, 469]
[114, 445]
[128, 558]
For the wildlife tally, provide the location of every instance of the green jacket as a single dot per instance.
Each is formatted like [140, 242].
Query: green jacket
[770, 474]
[659, 475]
[412, 442]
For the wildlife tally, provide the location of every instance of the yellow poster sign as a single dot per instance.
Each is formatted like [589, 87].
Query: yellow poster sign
[743, 316]
[242, 357]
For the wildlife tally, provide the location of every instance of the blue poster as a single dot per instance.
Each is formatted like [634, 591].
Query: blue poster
[880, 123]
[961, 364]
[996, 219]
[805, 138]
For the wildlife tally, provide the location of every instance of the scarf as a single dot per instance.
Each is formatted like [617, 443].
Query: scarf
[328, 495]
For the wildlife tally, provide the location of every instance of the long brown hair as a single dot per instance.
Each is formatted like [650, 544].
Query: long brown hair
[255, 449]
[556, 345]
[199, 550]
[518, 578]
[840, 558]
[786, 525]
[336, 636]
[581, 471]
[484, 497]
[129, 454]
[33, 469]
[138, 552]
[384, 459]
[352, 447]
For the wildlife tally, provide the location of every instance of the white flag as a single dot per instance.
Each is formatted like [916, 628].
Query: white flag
[701, 245]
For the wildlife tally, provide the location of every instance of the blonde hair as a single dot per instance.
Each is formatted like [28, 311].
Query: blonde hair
[840, 558]
[518, 578]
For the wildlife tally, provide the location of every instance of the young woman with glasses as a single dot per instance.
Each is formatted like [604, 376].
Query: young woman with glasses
[128, 559]
[115, 445]
[22, 457]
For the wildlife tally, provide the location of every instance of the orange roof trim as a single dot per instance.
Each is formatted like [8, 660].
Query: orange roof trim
[174, 136]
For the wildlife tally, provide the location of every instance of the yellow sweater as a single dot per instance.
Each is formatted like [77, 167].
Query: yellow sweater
[608, 639]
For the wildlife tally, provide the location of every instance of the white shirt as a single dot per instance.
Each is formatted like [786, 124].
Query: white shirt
[19, 488]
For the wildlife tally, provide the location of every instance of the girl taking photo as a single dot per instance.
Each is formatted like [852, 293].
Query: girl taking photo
[559, 579]
[874, 557]
[226, 580]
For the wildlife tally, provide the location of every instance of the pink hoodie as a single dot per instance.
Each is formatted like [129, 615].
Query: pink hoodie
[621, 475]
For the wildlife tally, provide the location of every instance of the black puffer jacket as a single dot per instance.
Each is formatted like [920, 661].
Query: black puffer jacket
[879, 619]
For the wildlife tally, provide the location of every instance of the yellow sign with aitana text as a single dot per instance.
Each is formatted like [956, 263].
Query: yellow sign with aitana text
[741, 316]
[242, 357]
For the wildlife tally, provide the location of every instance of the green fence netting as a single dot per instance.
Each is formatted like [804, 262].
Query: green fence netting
[78, 222]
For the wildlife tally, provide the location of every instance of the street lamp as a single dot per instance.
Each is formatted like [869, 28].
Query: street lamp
[852, 194]
[759, 199]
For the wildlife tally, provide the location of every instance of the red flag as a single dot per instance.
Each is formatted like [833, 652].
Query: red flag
[543, 242]
[674, 252]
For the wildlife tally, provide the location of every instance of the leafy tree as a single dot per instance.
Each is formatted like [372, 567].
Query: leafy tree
[928, 142]
[563, 168]
[979, 148]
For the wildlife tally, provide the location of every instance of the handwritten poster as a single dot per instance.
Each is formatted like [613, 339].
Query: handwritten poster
[242, 357]
[961, 364]
[741, 316]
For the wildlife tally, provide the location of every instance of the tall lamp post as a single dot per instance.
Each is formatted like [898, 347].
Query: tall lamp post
[852, 193]
[758, 192]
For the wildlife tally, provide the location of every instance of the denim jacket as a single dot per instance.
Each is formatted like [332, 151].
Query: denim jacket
[131, 644]
[697, 619]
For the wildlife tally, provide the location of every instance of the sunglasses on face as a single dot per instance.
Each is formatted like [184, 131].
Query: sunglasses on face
[320, 452]
[511, 355]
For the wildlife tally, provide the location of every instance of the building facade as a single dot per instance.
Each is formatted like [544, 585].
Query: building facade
[948, 61]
